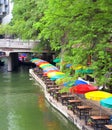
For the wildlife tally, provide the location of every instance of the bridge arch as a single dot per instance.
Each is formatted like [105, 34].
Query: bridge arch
[11, 48]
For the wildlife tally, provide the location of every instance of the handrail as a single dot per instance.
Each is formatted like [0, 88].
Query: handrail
[15, 43]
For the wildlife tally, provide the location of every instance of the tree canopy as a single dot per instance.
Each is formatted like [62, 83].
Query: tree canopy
[77, 29]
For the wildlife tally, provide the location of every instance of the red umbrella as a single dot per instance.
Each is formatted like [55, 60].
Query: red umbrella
[82, 88]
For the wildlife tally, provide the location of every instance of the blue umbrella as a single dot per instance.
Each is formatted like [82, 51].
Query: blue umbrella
[48, 69]
[68, 65]
[77, 82]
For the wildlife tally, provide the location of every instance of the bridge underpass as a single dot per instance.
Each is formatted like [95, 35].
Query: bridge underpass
[12, 47]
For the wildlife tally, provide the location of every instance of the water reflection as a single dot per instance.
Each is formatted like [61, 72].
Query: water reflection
[12, 119]
[41, 103]
[23, 105]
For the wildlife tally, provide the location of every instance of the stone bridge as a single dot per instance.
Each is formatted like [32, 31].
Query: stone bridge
[15, 45]
[11, 48]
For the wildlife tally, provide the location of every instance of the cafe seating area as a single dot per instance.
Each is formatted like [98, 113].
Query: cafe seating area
[84, 109]
[79, 106]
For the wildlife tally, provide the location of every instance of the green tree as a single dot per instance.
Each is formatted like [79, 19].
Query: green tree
[75, 29]
[80, 28]
[25, 14]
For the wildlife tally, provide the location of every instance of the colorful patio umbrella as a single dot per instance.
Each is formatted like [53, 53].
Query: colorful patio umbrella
[107, 102]
[56, 77]
[57, 60]
[78, 67]
[48, 69]
[42, 62]
[34, 59]
[50, 74]
[45, 65]
[98, 95]
[37, 61]
[82, 88]
[77, 82]
[84, 71]
[45, 73]
[68, 65]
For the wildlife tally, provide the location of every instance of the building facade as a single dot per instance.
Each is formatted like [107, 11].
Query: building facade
[4, 9]
[8, 17]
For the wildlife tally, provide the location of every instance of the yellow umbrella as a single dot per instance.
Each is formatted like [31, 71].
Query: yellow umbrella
[45, 64]
[78, 67]
[50, 74]
[97, 95]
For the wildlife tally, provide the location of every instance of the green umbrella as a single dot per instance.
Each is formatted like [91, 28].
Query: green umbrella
[84, 71]
[57, 60]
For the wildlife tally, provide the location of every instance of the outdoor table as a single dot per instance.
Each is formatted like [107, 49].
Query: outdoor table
[99, 121]
[66, 97]
[108, 127]
[83, 111]
[48, 80]
[74, 103]
[51, 86]
[49, 83]
[58, 95]
[53, 90]
[39, 74]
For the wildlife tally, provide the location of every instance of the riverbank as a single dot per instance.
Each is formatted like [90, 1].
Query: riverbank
[58, 105]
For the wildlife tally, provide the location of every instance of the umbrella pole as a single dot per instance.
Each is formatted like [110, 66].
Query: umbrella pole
[100, 111]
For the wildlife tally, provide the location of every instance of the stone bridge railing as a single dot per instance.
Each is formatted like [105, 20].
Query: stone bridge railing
[16, 43]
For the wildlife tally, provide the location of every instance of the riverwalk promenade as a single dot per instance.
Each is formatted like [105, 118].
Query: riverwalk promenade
[77, 118]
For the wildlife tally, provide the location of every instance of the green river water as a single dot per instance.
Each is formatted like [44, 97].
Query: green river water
[23, 106]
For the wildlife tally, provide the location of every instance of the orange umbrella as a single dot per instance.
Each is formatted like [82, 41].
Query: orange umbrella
[41, 62]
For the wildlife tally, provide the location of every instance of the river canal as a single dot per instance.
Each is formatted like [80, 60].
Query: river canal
[23, 106]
